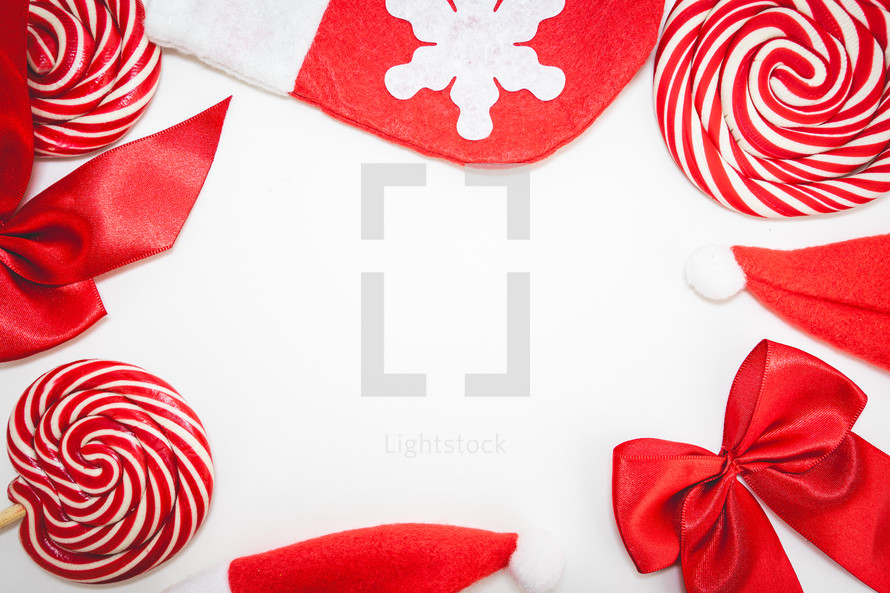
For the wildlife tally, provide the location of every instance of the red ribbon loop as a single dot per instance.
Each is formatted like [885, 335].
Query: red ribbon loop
[788, 434]
[124, 205]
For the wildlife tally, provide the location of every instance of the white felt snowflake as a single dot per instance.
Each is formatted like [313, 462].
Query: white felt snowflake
[475, 44]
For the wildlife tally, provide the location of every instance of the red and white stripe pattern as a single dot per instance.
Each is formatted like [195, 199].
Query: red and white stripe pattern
[778, 107]
[115, 471]
[92, 72]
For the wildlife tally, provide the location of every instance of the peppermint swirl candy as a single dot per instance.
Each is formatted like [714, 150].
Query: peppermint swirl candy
[115, 472]
[91, 72]
[778, 107]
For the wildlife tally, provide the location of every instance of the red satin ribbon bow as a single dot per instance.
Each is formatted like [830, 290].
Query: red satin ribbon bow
[788, 435]
[124, 205]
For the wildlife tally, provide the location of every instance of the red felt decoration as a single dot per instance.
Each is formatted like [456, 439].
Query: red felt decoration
[839, 292]
[124, 205]
[402, 558]
[599, 46]
[472, 81]
[383, 559]
[788, 434]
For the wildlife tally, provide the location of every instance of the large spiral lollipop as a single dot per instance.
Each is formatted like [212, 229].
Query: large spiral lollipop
[115, 473]
[91, 72]
[778, 107]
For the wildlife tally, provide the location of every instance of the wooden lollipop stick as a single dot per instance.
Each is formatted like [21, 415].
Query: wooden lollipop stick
[11, 515]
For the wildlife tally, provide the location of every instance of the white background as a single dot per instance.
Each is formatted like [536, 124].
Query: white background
[254, 316]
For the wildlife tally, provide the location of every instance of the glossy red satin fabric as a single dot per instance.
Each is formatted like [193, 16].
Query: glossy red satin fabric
[16, 134]
[787, 434]
[126, 204]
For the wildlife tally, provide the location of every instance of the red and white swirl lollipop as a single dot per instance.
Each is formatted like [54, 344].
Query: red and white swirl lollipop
[778, 107]
[91, 72]
[115, 473]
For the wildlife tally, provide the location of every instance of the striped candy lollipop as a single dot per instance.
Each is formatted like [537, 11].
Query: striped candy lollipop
[115, 473]
[778, 107]
[92, 72]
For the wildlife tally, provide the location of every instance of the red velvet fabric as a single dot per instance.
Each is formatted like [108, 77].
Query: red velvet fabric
[124, 205]
[839, 292]
[787, 434]
[404, 558]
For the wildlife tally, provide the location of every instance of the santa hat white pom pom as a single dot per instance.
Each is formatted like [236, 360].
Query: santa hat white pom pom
[714, 273]
[537, 563]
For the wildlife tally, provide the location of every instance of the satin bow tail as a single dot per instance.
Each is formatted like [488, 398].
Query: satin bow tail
[787, 434]
[124, 205]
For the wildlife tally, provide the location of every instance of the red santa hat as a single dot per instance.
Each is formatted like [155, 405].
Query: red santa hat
[839, 293]
[473, 81]
[403, 558]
